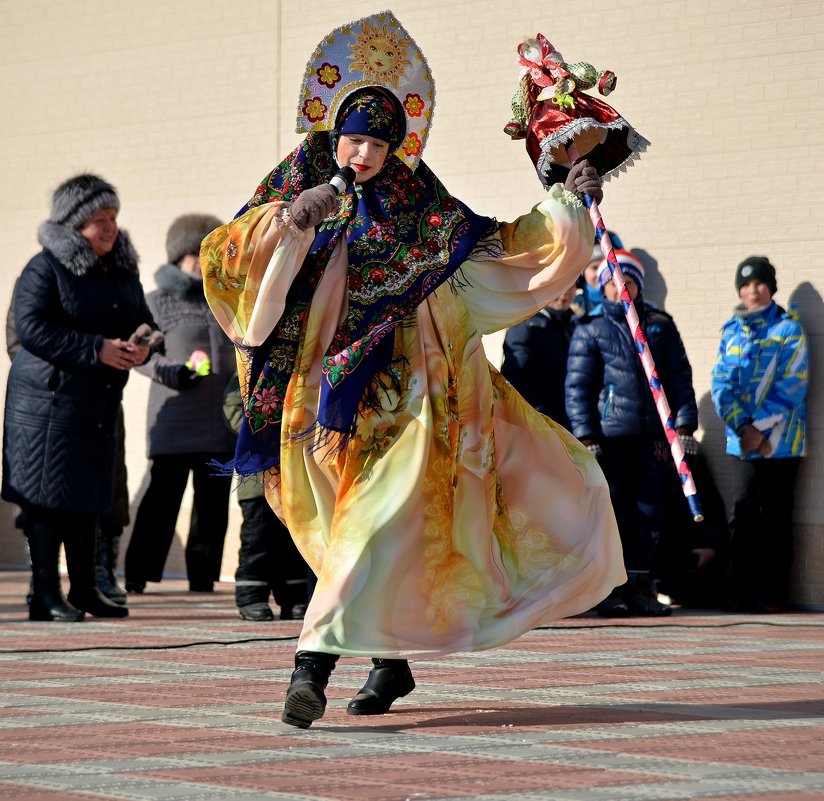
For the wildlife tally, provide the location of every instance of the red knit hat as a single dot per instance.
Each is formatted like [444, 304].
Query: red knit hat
[630, 266]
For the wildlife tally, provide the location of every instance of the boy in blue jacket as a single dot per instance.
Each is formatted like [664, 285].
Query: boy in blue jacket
[759, 389]
[611, 410]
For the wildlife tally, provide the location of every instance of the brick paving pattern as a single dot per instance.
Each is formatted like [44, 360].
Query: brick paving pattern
[182, 701]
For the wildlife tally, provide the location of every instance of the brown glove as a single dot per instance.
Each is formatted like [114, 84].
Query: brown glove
[313, 205]
[145, 336]
[583, 179]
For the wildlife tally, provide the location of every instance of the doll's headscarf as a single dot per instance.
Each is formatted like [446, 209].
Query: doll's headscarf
[405, 235]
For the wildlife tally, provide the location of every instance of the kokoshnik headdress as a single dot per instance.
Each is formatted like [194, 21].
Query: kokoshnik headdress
[404, 233]
[551, 111]
[373, 51]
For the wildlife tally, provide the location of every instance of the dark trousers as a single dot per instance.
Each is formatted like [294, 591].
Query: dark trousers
[761, 527]
[268, 560]
[676, 564]
[154, 525]
[634, 468]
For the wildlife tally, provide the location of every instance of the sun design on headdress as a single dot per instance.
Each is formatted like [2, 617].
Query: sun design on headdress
[380, 54]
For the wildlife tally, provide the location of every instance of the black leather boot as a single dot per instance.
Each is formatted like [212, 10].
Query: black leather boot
[614, 604]
[305, 699]
[46, 601]
[108, 545]
[641, 598]
[80, 545]
[388, 680]
[91, 600]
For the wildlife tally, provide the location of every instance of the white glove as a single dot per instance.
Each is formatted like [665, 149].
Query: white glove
[689, 443]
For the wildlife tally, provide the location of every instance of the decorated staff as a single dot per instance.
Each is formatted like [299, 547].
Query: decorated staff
[562, 125]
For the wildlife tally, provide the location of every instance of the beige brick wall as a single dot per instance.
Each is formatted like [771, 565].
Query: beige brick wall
[185, 105]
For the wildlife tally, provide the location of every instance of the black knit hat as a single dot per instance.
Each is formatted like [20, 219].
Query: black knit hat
[186, 233]
[755, 267]
[81, 197]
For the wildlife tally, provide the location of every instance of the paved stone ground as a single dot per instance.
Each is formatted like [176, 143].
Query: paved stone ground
[182, 701]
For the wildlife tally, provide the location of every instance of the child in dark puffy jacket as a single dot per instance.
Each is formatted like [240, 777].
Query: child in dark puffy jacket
[535, 356]
[611, 410]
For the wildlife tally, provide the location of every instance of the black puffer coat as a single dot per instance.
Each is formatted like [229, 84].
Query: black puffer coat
[535, 360]
[181, 419]
[607, 392]
[62, 404]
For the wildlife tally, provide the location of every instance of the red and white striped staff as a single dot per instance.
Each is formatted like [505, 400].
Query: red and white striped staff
[644, 353]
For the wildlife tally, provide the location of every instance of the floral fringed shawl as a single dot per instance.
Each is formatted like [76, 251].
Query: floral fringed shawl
[405, 235]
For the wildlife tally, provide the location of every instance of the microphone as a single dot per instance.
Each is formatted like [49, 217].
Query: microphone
[342, 179]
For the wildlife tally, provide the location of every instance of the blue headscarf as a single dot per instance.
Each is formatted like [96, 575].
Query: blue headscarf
[370, 112]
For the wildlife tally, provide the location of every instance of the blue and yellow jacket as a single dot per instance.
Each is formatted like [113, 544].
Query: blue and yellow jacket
[760, 376]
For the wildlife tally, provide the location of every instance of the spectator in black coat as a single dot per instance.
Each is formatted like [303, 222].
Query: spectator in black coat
[111, 523]
[535, 357]
[611, 410]
[77, 303]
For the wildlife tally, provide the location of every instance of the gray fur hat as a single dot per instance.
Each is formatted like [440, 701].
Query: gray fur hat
[186, 233]
[79, 198]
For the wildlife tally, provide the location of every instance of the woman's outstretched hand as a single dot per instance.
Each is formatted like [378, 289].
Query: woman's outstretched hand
[583, 179]
[313, 205]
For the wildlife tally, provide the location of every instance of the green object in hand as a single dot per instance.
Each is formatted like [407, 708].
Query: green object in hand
[200, 363]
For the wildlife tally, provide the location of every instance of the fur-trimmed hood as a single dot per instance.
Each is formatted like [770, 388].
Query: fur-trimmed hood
[72, 250]
[170, 278]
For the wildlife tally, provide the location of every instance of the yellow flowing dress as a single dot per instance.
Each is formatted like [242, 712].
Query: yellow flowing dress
[457, 517]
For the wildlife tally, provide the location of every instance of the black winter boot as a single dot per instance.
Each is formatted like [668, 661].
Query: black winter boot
[47, 601]
[642, 599]
[389, 680]
[108, 545]
[614, 604]
[257, 613]
[305, 699]
[80, 545]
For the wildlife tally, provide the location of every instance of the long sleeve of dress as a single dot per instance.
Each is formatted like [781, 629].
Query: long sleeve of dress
[540, 255]
[248, 266]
